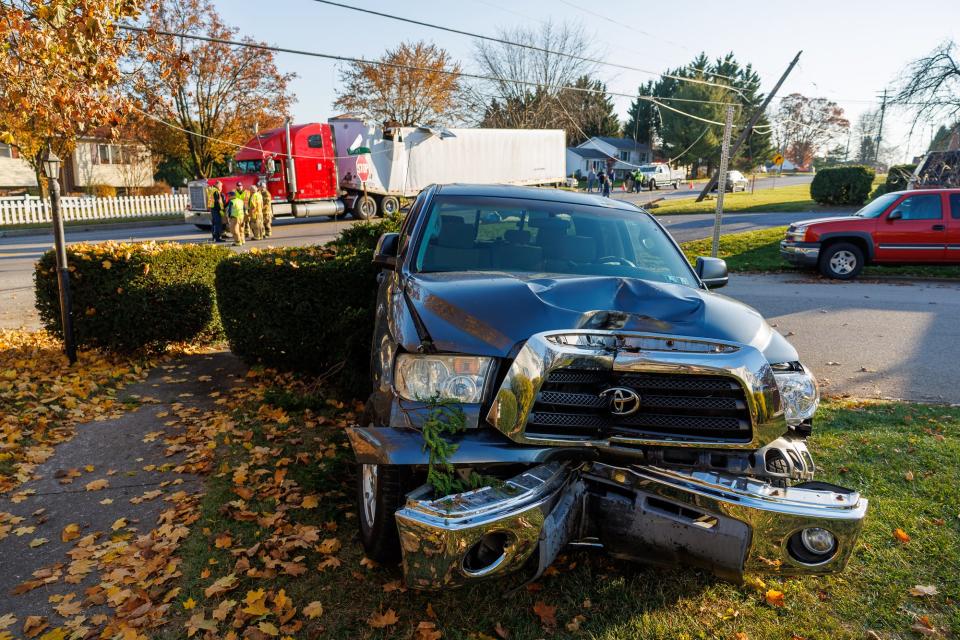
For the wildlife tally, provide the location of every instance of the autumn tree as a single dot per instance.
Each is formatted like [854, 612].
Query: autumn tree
[809, 125]
[60, 72]
[415, 84]
[215, 94]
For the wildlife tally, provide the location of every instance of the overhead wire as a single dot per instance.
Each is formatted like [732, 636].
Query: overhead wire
[531, 47]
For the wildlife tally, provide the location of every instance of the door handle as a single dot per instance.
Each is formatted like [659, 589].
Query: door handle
[938, 227]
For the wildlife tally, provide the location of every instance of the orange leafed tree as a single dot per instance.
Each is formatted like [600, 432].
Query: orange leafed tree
[59, 72]
[215, 94]
[423, 88]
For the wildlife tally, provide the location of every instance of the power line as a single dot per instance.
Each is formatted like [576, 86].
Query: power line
[329, 56]
[527, 46]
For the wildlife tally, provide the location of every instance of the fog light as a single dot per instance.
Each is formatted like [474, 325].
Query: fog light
[487, 554]
[812, 546]
[817, 540]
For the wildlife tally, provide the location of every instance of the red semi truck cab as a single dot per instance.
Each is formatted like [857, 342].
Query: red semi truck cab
[902, 227]
[301, 182]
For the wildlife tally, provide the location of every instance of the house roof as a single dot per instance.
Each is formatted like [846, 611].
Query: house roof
[627, 144]
[588, 154]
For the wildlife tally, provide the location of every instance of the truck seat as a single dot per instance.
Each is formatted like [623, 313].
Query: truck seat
[571, 249]
[516, 252]
[454, 247]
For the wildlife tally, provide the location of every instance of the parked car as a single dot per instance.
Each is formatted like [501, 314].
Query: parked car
[660, 175]
[901, 227]
[736, 181]
[601, 394]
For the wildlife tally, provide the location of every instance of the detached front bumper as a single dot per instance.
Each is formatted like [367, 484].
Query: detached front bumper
[726, 523]
[197, 217]
[802, 254]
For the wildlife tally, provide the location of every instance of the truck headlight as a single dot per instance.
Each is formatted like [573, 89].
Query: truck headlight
[460, 378]
[798, 391]
[796, 234]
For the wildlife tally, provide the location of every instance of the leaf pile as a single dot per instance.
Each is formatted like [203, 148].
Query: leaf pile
[44, 398]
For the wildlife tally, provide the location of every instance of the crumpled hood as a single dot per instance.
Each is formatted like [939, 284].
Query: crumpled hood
[491, 313]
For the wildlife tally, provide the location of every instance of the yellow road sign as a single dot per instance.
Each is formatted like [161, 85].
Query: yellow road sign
[778, 159]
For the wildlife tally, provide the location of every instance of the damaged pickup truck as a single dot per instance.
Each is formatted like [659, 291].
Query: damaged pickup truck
[604, 395]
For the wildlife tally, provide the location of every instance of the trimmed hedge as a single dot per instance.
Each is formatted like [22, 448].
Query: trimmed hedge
[842, 185]
[306, 308]
[128, 297]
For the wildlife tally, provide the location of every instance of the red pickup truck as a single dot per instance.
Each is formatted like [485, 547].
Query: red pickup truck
[903, 227]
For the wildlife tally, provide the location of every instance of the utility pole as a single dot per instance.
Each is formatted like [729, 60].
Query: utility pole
[722, 183]
[883, 108]
[753, 120]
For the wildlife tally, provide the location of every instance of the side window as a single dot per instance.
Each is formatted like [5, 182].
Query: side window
[408, 222]
[921, 207]
[955, 206]
[315, 141]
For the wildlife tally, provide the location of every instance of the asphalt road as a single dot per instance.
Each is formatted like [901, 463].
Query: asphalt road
[685, 191]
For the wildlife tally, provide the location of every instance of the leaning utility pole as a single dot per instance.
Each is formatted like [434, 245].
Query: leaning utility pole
[722, 184]
[707, 188]
[883, 108]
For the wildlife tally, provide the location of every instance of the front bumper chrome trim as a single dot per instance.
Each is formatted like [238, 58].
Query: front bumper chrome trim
[726, 523]
[622, 351]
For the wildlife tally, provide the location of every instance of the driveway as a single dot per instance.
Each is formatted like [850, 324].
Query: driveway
[865, 338]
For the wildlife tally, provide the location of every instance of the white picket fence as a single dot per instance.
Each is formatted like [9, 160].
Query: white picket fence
[29, 210]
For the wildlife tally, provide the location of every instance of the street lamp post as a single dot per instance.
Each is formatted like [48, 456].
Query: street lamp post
[51, 167]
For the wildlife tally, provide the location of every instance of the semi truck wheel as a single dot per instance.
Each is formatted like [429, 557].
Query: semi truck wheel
[653, 184]
[389, 206]
[364, 208]
[379, 495]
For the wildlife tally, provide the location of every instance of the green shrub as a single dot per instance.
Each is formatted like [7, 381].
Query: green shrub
[306, 308]
[842, 185]
[898, 177]
[127, 297]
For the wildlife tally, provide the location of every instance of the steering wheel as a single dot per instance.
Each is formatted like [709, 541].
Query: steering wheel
[617, 260]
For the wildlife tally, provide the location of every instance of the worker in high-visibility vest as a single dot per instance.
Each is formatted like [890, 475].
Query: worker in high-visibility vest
[255, 214]
[244, 195]
[215, 204]
[267, 211]
[235, 211]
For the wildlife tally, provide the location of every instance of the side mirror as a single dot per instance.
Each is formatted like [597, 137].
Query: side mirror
[896, 214]
[713, 272]
[385, 255]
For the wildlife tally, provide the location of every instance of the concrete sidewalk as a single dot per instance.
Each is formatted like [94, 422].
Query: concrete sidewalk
[130, 454]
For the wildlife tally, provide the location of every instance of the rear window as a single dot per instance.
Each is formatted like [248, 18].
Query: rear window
[955, 206]
[464, 233]
[921, 207]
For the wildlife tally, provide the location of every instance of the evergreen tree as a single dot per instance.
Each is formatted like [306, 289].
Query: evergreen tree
[588, 113]
[642, 124]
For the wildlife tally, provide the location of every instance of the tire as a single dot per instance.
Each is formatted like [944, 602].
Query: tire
[842, 261]
[364, 208]
[204, 227]
[653, 185]
[389, 205]
[676, 185]
[379, 495]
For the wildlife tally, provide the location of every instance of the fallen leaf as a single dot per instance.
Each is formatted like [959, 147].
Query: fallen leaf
[379, 620]
[223, 609]
[329, 563]
[330, 546]
[223, 541]
[313, 610]
[574, 625]
[106, 501]
[118, 524]
[392, 586]
[70, 532]
[106, 264]
[901, 536]
[97, 485]
[923, 590]
[501, 631]
[310, 502]
[190, 603]
[740, 635]
[427, 631]
[908, 476]
[33, 625]
[775, 598]
[221, 586]
[256, 603]
[268, 628]
[546, 613]
[6, 620]
[36, 542]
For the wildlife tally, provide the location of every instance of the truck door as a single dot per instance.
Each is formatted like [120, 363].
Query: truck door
[913, 230]
[953, 229]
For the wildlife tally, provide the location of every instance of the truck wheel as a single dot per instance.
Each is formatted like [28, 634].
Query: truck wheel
[389, 206]
[364, 208]
[204, 227]
[843, 261]
[653, 185]
[676, 185]
[379, 495]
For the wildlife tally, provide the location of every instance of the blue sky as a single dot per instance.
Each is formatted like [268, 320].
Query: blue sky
[852, 49]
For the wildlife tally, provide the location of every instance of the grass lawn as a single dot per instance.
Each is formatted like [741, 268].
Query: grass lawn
[91, 223]
[280, 517]
[760, 251]
[788, 198]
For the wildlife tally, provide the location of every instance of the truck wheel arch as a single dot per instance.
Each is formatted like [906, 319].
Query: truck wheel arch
[860, 238]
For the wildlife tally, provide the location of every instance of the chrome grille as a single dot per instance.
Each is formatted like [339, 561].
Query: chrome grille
[198, 197]
[672, 406]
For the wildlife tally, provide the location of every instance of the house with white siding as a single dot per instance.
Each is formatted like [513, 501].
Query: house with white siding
[622, 155]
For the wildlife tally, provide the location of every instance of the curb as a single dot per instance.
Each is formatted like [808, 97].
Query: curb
[137, 224]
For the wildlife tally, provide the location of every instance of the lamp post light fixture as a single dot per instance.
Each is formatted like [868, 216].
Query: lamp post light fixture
[51, 167]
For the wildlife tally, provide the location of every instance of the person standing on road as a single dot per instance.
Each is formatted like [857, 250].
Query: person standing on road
[244, 195]
[604, 178]
[591, 180]
[235, 210]
[267, 211]
[255, 214]
[217, 211]
[637, 181]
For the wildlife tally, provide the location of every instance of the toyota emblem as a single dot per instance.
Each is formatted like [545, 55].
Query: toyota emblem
[623, 401]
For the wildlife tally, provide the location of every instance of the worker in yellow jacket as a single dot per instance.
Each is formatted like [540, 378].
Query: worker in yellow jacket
[235, 211]
[255, 214]
[267, 211]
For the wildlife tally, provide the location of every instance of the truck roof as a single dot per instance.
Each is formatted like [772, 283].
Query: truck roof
[548, 194]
